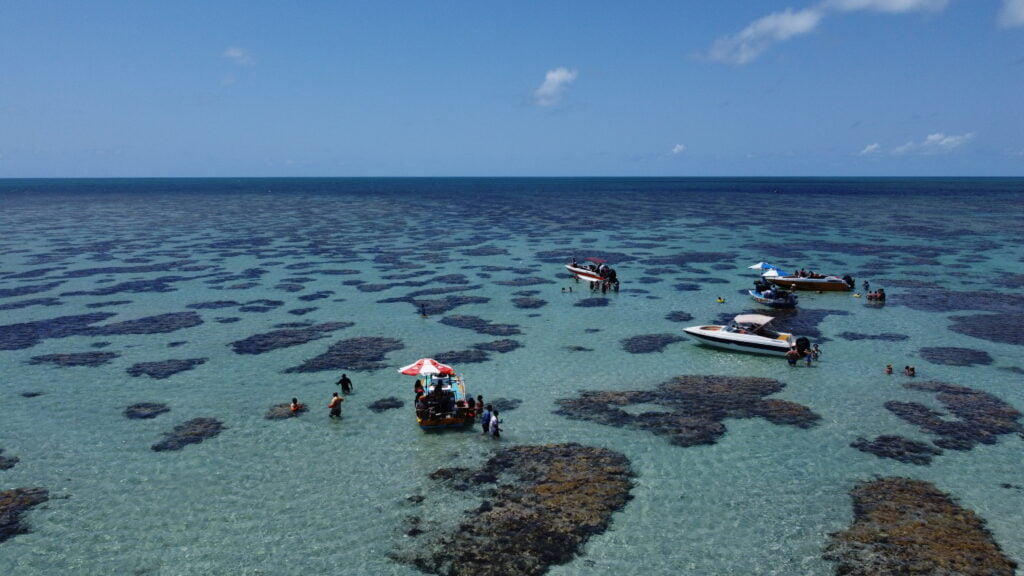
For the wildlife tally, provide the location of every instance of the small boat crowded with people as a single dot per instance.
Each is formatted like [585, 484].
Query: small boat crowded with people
[441, 399]
[803, 279]
[771, 296]
[748, 333]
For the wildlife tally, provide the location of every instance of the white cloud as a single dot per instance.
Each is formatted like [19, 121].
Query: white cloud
[871, 149]
[679, 149]
[935, 144]
[762, 33]
[238, 56]
[555, 83]
[940, 143]
[1012, 13]
[891, 6]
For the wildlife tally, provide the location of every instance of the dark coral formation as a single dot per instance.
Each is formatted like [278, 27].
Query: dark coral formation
[145, 410]
[363, 353]
[389, 403]
[678, 316]
[885, 336]
[528, 303]
[647, 343]
[164, 368]
[525, 281]
[596, 302]
[14, 503]
[505, 404]
[7, 462]
[284, 411]
[267, 341]
[953, 356]
[898, 448]
[75, 359]
[543, 503]
[462, 357]
[502, 346]
[191, 432]
[481, 326]
[695, 407]
[905, 526]
[981, 417]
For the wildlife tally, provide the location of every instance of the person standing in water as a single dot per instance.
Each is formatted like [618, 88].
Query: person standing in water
[345, 383]
[335, 405]
[495, 425]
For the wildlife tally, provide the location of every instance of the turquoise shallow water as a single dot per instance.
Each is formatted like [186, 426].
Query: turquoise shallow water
[313, 496]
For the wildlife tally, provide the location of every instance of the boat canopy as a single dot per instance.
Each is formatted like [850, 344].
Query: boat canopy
[768, 269]
[759, 319]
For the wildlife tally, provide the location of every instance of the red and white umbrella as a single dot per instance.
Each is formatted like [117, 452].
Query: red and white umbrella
[425, 366]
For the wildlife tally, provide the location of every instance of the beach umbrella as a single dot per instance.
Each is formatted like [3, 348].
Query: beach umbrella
[425, 366]
[769, 269]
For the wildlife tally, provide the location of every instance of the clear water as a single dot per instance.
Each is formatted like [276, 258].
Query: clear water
[312, 496]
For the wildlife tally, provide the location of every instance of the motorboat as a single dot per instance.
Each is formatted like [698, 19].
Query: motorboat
[592, 270]
[441, 399]
[804, 280]
[748, 333]
[768, 294]
[774, 298]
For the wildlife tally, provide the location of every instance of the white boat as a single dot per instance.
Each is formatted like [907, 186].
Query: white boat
[592, 270]
[747, 333]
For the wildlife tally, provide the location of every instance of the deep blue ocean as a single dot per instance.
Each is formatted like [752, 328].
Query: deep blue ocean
[129, 307]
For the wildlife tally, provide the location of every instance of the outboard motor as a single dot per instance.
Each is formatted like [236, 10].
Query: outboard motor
[849, 281]
[803, 345]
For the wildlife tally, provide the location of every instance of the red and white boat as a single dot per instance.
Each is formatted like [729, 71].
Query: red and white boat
[592, 270]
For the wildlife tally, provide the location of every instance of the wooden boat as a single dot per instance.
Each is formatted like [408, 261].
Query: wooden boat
[444, 403]
[804, 280]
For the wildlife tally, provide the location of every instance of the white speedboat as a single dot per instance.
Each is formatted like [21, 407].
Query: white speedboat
[592, 270]
[747, 333]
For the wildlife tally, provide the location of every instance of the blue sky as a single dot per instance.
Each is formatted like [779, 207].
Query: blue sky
[486, 88]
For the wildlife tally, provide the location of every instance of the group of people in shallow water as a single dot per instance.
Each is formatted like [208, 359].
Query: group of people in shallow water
[907, 370]
[334, 406]
[809, 355]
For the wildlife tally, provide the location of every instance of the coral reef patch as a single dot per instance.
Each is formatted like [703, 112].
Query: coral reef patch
[898, 448]
[695, 407]
[191, 432]
[267, 341]
[981, 417]
[164, 368]
[953, 356]
[648, 343]
[75, 359]
[284, 411]
[481, 326]
[906, 526]
[145, 410]
[13, 504]
[363, 353]
[542, 504]
[389, 403]
[7, 462]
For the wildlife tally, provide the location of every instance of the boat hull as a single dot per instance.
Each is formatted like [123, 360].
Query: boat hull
[584, 273]
[772, 302]
[445, 423]
[718, 338]
[827, 284]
